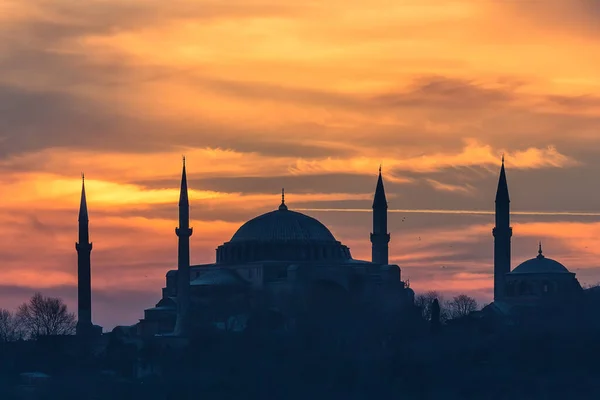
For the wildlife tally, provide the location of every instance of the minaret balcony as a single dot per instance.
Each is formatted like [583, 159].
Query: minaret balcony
[184, 231]
[502, 231]
[83, 246]
[380, 237]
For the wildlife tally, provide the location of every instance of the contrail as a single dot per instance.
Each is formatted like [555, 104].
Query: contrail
[470, 212]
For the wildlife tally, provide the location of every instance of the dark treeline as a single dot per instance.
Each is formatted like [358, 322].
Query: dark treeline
[358, 354]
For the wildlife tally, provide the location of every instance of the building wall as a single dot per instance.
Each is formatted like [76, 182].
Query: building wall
[288, 286]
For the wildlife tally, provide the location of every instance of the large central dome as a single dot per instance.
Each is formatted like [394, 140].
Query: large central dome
[283, 225]
[282, 235]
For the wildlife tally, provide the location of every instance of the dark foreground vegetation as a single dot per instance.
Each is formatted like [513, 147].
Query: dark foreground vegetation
[554, 356]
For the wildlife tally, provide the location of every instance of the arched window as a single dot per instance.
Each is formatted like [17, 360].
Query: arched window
[546, 288]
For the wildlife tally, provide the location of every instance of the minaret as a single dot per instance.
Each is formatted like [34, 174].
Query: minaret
[84, 278]
[380, 236]
[502, 236]
[183, 259]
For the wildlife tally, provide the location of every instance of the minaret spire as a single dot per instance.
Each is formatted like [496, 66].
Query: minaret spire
[502, 191]
[380, 237]
[83, 211]
[502, 233]
[183, 193]
[183, 258]
[84, 274]
[379, 200]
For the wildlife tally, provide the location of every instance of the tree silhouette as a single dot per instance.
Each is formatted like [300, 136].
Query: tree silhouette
[9, 326]
[425, 301]
[461, 306]
[435, 316]
[43, 316]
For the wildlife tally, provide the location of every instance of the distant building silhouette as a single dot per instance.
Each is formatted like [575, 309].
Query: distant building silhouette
[541, 278]
[291, 259]
[537, 282]
[84, 273]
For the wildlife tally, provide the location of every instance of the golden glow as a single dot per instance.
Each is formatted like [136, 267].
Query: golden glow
[261, 89]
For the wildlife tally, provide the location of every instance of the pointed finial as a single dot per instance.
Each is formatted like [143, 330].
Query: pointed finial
[502, 158]
[183, 160]
[540, 250]
[82, 177]
[283, 206]
[379, 169]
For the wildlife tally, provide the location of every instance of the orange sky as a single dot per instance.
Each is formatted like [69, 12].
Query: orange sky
[312, 96]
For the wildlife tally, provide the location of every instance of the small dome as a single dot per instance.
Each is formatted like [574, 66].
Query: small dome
[540, 265]
[283, 225]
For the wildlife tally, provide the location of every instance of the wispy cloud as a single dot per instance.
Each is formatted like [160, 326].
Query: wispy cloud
[466, 189]
[468, 212]
[228, 162]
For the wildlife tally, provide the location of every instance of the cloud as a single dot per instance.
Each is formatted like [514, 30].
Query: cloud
[294, 184]
[449, 187]
[435, 92]
[57, 192]
[37, 120]
[472, 154]
[579, 16]
[582, 103]
[444, 92]
[235, 164]
[69, 18]
[92, 99]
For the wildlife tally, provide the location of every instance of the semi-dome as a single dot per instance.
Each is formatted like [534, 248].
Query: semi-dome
[540, 265]
[282, 235]
[218, 277]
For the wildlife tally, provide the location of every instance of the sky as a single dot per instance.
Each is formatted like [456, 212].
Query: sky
[312, 96]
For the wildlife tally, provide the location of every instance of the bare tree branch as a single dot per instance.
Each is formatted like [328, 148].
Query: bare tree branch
[461, 306]
[43, 316]
[10, 329]
[424, 302]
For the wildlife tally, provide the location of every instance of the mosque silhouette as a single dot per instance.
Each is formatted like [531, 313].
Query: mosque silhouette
[291, 264]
